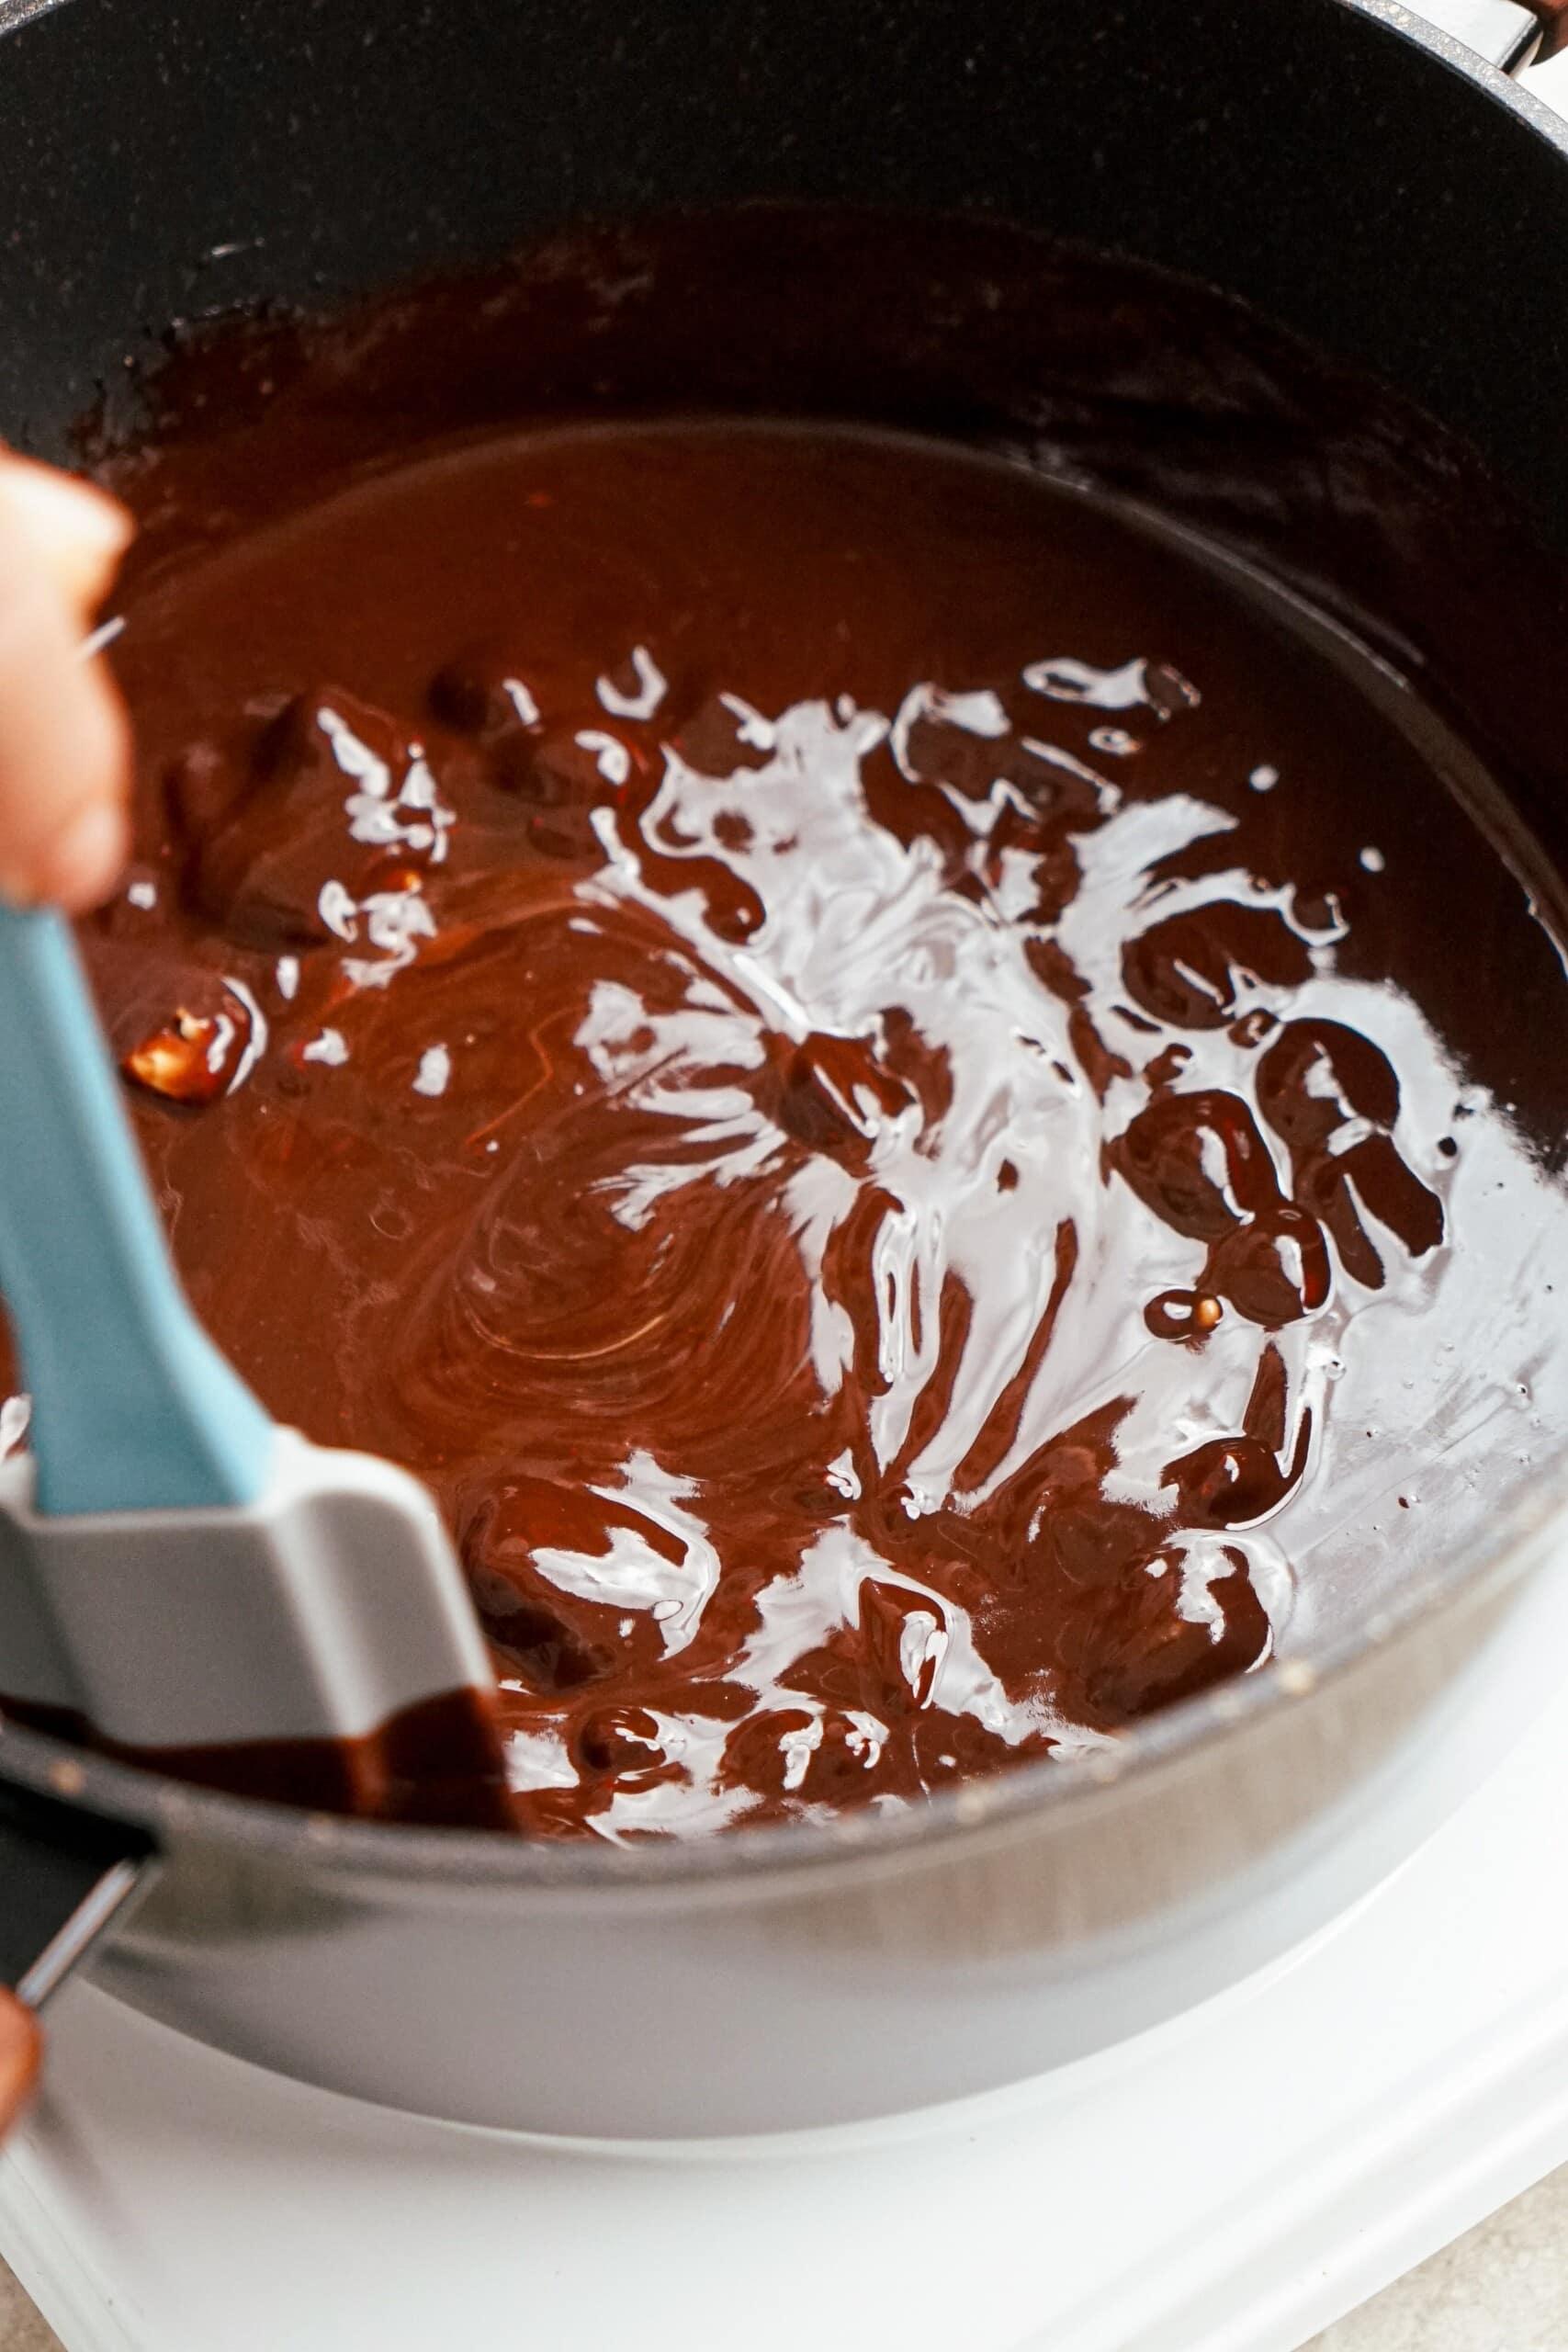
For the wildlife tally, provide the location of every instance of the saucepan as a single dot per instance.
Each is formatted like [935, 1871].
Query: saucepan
[1363, 184]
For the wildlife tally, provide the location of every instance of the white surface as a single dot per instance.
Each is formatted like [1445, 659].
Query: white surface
[1232, 2182]
[1550, 81]
[1501, 2288]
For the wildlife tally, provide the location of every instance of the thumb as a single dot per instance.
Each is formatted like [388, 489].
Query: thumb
[20, 2043]
[63, 740]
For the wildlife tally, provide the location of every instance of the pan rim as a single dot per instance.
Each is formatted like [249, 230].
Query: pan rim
[175, 1812]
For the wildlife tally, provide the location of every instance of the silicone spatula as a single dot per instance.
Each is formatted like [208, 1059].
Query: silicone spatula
[179, 1577]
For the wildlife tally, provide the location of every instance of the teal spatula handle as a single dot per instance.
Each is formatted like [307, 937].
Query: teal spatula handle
[133, 1406]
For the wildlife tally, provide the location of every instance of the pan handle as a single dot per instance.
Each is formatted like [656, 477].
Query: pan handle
[1554, 19]
[1512, 34]
[64, 1874]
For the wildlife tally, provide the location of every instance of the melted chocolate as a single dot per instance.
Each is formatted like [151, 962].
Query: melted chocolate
[433, 1763]
[852, 1052]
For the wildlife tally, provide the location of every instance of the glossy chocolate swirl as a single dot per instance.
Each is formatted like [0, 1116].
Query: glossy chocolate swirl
[835, 1044]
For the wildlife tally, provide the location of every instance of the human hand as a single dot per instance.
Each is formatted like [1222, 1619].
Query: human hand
[20, 2043]
[64, 746]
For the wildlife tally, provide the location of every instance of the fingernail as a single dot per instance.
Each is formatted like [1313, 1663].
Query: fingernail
[80, 865]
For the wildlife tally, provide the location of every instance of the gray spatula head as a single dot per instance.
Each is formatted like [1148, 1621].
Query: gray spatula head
[319, 1643]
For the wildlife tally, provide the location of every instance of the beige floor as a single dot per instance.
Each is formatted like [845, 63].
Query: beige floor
[1502, 2289]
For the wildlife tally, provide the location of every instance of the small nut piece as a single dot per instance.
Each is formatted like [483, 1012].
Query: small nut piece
[194, 1058]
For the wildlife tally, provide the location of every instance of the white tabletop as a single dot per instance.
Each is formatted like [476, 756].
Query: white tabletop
[1504, 2283]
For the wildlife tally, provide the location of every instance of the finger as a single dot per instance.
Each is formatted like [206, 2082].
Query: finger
[19, 2047]
[64, 752]
[80, 531]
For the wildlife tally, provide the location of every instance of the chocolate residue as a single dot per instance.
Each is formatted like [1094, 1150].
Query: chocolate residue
[433, 1764]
